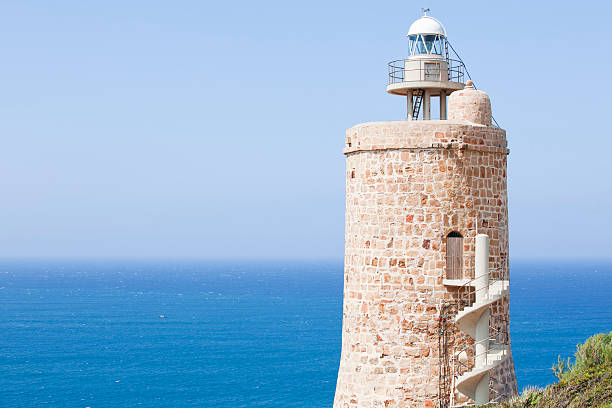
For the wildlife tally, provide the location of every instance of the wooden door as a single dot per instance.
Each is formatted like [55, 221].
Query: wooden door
[454, 257]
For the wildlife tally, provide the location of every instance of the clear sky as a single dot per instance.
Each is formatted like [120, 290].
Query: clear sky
[215, 129]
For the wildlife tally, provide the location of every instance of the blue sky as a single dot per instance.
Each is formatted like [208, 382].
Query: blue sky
[215, 129]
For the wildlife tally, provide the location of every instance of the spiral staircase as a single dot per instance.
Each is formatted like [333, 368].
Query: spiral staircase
[476, 361]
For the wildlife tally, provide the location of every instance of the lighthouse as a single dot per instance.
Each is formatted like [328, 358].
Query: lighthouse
[426, 272]
[429, 72]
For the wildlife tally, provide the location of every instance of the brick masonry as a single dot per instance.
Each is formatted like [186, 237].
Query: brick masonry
[408, 184]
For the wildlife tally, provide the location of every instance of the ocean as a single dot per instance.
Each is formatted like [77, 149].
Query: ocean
[233, 334]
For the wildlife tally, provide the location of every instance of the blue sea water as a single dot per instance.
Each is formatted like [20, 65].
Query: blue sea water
[256, 334]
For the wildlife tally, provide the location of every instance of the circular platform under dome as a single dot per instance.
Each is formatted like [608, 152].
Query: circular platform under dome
[426, 25]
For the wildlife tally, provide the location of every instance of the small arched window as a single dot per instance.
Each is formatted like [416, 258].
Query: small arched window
[454, 255]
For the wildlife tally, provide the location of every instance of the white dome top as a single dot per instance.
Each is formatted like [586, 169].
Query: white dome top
[427, 25]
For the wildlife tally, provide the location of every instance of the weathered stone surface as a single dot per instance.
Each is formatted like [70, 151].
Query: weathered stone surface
[408, 184]
[470, 105]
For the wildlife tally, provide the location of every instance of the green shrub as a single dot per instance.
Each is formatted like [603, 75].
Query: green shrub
[595, 352]
[584, 383]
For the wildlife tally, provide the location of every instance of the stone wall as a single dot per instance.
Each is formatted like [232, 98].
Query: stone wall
[408, 184]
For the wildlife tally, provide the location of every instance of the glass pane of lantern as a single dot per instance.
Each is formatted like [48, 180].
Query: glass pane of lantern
[420, 48]
[437, 48]
[430, 40]
[411, 43]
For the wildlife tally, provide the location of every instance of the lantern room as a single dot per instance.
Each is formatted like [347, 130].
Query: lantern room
[428, 72]
[426, 37]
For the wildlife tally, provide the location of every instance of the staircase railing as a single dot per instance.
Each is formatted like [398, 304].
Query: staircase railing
[398, 72]
[499, 337]
[466, 293]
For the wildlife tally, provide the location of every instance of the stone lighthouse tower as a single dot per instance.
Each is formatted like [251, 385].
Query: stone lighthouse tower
[425, 315]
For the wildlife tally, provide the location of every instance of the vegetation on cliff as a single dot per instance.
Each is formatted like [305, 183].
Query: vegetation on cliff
[585, 382]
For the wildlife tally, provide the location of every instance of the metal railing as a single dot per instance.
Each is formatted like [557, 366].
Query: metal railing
[498, 397]
[466, 293]
[398, 71]
[498, 338]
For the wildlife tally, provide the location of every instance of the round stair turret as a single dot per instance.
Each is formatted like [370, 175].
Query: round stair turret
[470, 105]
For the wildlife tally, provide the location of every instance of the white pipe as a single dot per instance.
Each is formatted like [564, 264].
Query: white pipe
[481, 261]
[481, 338]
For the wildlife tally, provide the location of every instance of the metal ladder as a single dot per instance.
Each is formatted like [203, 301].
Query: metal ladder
[418, 101]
